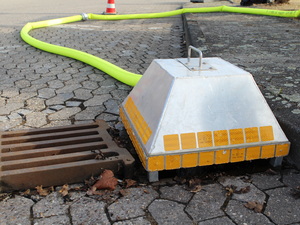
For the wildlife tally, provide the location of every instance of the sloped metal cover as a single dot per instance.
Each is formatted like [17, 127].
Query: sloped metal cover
[187, 110]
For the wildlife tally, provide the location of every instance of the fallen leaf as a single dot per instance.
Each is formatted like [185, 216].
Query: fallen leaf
[27, 192]
[130, 183]
[42, 191]
[64, 190]
[230, 190]
[242, 190]
[106, 181]
[257, 207]
[123, 192]
[146, 191]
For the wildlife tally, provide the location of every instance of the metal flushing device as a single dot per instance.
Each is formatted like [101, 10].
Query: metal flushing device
[192, 112]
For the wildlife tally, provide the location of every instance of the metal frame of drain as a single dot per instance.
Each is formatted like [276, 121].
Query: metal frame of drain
[59, 155]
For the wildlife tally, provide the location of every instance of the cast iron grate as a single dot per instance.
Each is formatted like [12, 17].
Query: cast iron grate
[59, 155]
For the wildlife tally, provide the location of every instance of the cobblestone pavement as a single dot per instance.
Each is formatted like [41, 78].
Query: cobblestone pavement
[39, 89]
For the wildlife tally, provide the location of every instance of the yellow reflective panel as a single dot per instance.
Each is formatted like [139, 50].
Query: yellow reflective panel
[267, 151]
[188, 140]
[156, 163]
[282, 150]
[173, 162]
[222, 156]
[237, 155]
[189, 160]
[253, 153]
[171, 142]
[266, 133]
[236, 136]
[206, 158]
[221, 137]
[204, 139]
[251, 134]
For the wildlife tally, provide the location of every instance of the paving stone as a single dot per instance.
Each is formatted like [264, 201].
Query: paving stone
[83, 94]
[64, 113]
[36, 119]
[88, 211]
[292, 179]
[57, 220]
[90, 85]
[46, 93]
[51, 205]
[253, 195]
[15, 116]
[68, 89]
[64, 77]
[73, 103]
[55, 123]
[176, 193]
[119, 94]
[112, 106]
[139, 221]
[90, 113]
[241, 215]
[56, 107]
[168, 212]
[97, 100]
[265, 181]
[5, 110]
[36, 104]
[55, 84]
[10, 92]
[282, 207]
[133, 204]
[207, 203]
[15, 211]
[104, 90]
[59, 99]
[218, 221]
[107, 117]
[22, 83]
[21, 97]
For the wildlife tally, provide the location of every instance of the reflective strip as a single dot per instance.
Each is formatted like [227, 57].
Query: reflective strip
[206, 158]
[190, 160]
[171, 142]
[251, 134]
[205, 139]
[222, 156]
[221, 137]
[237, 155]
[267, 151]
[156, 163]
[141, 126]
[173, 162]
[266, 133]
[253, 153]
[111, 6]
[236, 136]
[282, 149]
[188, 140]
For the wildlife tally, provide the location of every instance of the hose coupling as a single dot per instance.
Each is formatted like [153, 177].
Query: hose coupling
[84, 16]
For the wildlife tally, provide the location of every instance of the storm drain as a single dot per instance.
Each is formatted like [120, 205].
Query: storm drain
[59, 155]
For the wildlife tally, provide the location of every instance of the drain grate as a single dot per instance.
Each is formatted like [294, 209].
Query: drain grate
[59, 155]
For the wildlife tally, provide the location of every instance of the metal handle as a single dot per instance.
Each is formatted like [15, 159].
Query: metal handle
[196, 50]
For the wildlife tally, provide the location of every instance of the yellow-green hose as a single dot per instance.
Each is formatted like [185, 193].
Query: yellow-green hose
[109, 68]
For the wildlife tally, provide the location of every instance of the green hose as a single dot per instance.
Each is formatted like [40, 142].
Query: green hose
[109, 68]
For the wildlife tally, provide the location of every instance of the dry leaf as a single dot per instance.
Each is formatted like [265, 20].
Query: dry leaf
[242, 190]
[106, 181]
[130, 183]
[146, 191]
[230, 190]
[41, 191]
[27, 192]
[123, 192]
[64, 190]
[257, 207]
